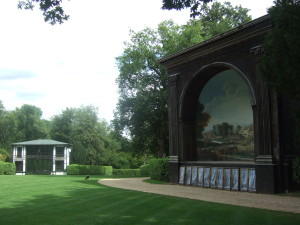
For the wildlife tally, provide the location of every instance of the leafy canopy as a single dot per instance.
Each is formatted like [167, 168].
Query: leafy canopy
[142, 110]
[52, 10]
[280, 64]
[194, 5]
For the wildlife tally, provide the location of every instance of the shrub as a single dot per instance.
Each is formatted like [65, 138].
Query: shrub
[7, 168]
[127, 172]
[158, 169]
[145, 170]
[75, 169]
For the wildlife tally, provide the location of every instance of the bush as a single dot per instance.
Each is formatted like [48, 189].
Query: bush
[126, 172]
[7, 168]
[75, 169]
[145, 170]
[4, 155]
[158, 169]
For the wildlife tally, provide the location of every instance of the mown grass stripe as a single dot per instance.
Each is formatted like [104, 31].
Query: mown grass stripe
[69, 200]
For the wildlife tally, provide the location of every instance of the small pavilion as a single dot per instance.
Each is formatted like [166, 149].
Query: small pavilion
[41, 156]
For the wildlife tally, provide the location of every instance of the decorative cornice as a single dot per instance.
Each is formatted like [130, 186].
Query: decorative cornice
[173, 79]
[235, 36]
[256, 52]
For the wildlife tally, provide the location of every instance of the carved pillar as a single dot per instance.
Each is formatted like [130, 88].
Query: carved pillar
[173, 129]
[265, 162]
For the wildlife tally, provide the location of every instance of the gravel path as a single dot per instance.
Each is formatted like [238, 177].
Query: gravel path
[263, 201]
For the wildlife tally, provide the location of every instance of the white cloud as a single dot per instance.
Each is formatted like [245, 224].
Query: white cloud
[69, 65]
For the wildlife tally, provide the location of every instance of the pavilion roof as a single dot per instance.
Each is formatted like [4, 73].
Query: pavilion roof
[41, 142]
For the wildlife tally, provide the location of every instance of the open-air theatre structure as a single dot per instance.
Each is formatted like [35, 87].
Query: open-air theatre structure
[227, 128]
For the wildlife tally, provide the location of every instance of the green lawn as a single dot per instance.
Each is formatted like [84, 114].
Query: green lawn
[69, 200]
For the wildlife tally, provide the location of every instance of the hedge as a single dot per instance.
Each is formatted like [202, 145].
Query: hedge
[7, 168]
[127, 172]
[145, 170]
[75, 169]
[158, 169]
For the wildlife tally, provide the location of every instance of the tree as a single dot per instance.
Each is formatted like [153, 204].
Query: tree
[203, 119]
[92, 139]
[52, 10]
[280, 63]
[219, 18]
[7, 132]
[30, 125]
[194, 5]
[61, 125]
[142, 107]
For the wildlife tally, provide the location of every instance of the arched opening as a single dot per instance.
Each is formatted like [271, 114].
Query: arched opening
[219, 98]
[224, 119]
[216, 130]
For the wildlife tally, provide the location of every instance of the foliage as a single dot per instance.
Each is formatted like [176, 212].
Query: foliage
[221, 17]
[8, 129]
[90, 137]
[52, 10]
[75, 169]
[194, 5]
[7, 168]
[30, 125]
[142, 111]
[280, 64]
[142, 106]
[145, 170]
[159, 169]
[296, 169]
[126, 172]
[4, 155]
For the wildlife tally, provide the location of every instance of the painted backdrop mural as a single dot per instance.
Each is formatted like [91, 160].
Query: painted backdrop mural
[225, 120]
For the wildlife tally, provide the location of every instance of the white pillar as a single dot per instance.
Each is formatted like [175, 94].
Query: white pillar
[24, 158]
[65, 157]
[14, 153]
[68, 157]
[54, 154]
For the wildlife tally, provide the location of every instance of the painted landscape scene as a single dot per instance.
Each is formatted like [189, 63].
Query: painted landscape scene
[225, 120]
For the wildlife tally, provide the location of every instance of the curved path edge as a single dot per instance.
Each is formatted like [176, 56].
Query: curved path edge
[262, 201]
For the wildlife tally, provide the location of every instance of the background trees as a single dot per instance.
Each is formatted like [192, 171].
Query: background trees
[280, 62]
[30, 126]
[93, 141]
[280, 65]
[142, 108]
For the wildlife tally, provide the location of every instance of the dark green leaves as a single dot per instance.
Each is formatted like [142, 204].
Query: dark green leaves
[52, 10]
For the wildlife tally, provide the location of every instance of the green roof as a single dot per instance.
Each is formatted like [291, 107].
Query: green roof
[41, 142]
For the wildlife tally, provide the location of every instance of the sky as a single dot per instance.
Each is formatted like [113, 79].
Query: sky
[226, 97]
[73, 64]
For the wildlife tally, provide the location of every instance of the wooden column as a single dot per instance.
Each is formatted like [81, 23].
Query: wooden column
[173, 129]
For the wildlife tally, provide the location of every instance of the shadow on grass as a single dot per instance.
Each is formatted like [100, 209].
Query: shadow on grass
[90, 203]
